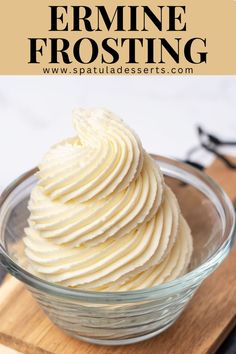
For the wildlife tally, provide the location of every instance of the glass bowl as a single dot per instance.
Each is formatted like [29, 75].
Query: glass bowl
[125, 317]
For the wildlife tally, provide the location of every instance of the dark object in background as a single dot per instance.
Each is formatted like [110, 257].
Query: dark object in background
[2, 274]
[212, 144]
[195, 164]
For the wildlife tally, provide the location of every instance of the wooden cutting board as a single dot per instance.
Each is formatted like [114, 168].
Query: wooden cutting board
[202, 327]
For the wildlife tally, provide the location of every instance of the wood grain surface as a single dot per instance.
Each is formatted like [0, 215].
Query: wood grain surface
[207, 320]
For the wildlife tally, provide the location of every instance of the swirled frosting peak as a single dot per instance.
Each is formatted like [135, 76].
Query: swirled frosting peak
[101, 216]
[104, 156]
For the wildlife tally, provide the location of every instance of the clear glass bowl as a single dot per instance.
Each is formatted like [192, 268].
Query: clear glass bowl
[126, 317]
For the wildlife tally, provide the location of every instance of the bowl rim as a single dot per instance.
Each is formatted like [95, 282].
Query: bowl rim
[135, 295]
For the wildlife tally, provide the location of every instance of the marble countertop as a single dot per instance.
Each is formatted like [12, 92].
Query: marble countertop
[35, 112]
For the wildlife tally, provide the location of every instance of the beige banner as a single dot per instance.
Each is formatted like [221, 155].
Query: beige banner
[118, 37]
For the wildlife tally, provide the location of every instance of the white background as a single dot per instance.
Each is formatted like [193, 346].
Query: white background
[35, 112]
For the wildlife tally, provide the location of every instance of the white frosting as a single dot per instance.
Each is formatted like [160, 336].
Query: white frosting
[101, 217]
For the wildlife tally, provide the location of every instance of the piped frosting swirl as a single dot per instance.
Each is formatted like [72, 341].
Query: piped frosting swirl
[101, 216]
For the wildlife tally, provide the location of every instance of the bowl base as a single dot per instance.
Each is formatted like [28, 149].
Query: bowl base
[121, 341]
